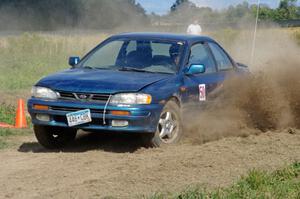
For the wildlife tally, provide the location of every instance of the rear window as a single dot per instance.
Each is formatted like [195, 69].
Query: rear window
[221, 57]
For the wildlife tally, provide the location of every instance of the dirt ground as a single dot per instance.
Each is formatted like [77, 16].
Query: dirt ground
[99, 166]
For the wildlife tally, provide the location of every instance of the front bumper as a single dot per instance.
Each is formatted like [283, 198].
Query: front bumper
[143, 118]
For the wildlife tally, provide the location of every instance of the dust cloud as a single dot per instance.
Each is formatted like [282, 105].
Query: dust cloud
[266, 100]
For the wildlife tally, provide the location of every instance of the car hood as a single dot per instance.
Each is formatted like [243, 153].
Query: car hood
[100, 81]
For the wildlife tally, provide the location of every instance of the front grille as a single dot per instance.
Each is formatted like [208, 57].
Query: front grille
[66, 95]
[100, 97]
[72, 109]
[83, 96]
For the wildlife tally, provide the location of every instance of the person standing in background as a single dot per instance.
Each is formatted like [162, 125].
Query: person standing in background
[194, 28]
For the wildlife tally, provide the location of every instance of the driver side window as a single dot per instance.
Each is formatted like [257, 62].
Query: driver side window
[200, 55]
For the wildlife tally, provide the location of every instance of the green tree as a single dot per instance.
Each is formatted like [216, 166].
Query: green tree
[178, 4]
[287, 10]
[57, 14]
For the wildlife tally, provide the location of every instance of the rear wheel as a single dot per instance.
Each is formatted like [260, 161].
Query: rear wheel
[169, 128]
[54, 137]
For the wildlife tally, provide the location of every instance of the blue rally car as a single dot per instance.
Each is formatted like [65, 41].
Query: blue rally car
[131, 82]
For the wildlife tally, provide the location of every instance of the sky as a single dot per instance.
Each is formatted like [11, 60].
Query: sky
[163, 6]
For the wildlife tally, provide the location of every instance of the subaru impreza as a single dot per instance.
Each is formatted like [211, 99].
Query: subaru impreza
[131, 83]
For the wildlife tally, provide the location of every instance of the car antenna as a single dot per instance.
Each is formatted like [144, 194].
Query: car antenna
[255, 34]
[105, 107]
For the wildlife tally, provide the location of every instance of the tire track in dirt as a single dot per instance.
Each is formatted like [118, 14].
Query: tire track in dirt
[95, 167]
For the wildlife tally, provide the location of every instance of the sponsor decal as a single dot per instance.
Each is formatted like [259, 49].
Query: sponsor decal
[202, 92]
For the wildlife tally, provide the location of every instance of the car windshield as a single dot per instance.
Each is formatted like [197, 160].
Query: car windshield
[151, 56]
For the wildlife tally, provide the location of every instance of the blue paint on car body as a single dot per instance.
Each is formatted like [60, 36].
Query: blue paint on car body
[163, 81]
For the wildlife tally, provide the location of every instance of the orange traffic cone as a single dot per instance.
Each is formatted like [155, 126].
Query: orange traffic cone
[20, 117]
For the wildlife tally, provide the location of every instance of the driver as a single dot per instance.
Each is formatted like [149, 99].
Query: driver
[174, 54]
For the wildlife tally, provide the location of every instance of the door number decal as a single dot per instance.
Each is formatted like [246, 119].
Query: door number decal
[202, 92]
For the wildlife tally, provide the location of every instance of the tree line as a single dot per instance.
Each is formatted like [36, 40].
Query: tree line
[111, 14]
[58, 14]
[185, 9]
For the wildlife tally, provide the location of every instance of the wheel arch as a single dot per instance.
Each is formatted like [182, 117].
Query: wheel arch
[176, 99]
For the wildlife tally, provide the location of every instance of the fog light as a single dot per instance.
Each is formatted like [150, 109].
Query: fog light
[119, 123]
[43, 117]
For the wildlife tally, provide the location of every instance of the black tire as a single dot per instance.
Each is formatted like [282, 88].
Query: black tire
[54, 137]
[155, 139]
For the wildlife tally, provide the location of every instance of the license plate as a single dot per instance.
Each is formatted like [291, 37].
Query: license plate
[79, 117]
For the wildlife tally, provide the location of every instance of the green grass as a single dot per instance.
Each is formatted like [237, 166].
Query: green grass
[283, 183]
[7, 114]
[6, 133]
[26, 58]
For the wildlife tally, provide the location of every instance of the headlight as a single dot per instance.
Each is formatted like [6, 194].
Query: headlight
[131, 98]
[42, 92]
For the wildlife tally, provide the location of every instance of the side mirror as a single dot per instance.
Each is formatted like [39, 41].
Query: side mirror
[195, 69]
[73, 61]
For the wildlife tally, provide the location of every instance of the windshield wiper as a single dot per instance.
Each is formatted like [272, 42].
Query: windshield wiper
[141, 70]
[90, 67]
[87, 67]
[135, 70]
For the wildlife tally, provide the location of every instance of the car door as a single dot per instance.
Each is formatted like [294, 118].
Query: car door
[199, 86]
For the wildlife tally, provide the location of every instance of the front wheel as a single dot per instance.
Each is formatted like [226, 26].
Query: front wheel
[169, 128]
[54, 137]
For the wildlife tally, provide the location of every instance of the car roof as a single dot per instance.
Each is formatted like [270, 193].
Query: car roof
[166, 36]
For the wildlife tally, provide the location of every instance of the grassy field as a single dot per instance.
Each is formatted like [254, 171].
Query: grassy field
[26, 58]
[7, 113]
[283, 183]
[6, 136]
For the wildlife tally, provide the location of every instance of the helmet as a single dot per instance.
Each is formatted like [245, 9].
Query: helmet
[174, 50]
